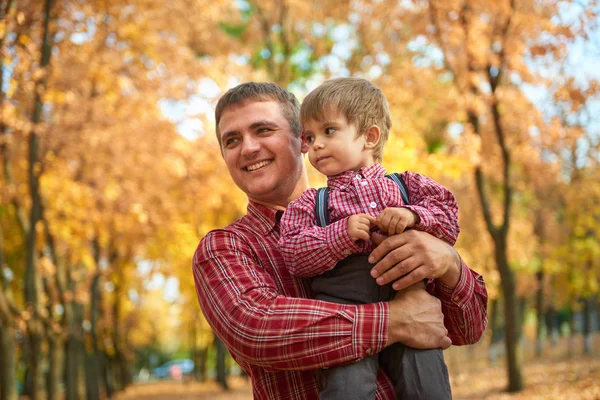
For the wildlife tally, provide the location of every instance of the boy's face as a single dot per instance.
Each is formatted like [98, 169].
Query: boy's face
[334, 146]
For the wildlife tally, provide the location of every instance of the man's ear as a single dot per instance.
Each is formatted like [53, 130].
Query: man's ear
[372, 136]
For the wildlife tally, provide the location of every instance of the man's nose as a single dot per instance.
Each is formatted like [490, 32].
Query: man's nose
[250, 146]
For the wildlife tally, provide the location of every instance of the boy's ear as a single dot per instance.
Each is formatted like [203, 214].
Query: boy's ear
[303, 144]
[372, 136]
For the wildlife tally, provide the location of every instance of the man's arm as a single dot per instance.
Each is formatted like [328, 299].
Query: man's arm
[413, 256]
[243, 304]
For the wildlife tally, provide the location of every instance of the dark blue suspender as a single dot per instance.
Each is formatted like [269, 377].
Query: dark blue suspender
[322, 200]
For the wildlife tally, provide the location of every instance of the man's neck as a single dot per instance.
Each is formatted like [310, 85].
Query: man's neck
[281, 204]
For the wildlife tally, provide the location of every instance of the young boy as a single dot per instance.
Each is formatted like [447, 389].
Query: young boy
[346, 123]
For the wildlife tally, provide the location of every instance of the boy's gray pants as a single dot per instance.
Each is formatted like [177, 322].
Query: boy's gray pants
[416, 374]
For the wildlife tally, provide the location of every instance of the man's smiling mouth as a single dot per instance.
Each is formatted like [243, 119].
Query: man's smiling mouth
[259, 165]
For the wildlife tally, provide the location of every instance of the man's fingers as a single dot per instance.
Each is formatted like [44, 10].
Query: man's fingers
[446, 342]
[385, 246]
[395, 270]
[416, 275]
[377, 238]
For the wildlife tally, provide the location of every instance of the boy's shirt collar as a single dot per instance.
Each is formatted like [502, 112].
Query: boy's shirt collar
[341, 181]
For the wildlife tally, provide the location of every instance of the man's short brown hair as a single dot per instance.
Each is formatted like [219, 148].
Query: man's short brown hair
[260, 91]
[361, 102]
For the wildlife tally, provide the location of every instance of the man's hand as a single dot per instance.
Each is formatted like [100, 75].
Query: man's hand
[396, 219]
[416, 320]
[359, 226]
[413, 256]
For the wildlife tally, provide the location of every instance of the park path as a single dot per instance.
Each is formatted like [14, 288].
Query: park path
[573, 379]
[240, 389]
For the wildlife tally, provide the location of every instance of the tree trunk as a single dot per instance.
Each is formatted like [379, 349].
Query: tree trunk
[198, 355]
[34, 377]
[497, 332]
[552, 325]
[8, 362]
[572, 331]
[91, 376]
[221, 366]
[75, 350]
[587, 325]
[539, 306]
[35, 329]
[53, 379]
[513, 359]
[95, 362]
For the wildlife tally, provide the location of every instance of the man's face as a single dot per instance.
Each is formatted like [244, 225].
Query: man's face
[261, 152]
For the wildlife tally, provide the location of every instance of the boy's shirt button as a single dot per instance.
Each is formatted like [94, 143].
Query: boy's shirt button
[358, 176]
[373, 204]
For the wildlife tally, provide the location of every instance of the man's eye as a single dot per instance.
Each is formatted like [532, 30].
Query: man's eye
[263, 130]
[231, 142]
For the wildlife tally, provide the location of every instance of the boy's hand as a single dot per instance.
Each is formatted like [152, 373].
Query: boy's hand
[395, 220]
[359, 226]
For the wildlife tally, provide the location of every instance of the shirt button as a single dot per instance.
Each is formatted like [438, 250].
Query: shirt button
[358, 176]
[363, 183]
[369, 351]
[455, 298]
[373, 204]
[347, 252]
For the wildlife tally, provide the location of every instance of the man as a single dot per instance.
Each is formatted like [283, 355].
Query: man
[265, 317]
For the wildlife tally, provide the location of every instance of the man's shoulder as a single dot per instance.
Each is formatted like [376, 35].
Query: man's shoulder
[225, 237]
[307, 198]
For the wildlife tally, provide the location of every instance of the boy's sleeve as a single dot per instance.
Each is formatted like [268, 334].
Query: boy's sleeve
[434, 204]
[308, 249]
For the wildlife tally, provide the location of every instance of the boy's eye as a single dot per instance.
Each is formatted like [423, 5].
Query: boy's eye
[329, 131]
[309, 139]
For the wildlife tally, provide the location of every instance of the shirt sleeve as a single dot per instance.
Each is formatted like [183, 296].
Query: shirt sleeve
[464, 307]
[435, 205]
[302, 241]
[259, 325]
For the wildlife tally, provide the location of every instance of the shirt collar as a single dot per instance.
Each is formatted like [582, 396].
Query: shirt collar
[262, 218]
[341, 181]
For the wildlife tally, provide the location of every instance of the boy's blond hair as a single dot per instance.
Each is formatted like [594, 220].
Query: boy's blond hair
[361, 102]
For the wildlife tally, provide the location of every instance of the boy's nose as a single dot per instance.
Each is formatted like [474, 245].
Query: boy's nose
[318, 145]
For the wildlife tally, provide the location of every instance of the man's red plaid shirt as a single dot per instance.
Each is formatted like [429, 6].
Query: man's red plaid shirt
[280, 336]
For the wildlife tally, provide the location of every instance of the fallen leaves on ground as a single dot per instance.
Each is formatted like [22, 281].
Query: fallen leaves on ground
[573, 379]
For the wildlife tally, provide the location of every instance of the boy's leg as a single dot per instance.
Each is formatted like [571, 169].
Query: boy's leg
[349, 283]
[417, 374]
[357, 381]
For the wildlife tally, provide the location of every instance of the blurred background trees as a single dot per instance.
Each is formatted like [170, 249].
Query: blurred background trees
[110, 173]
